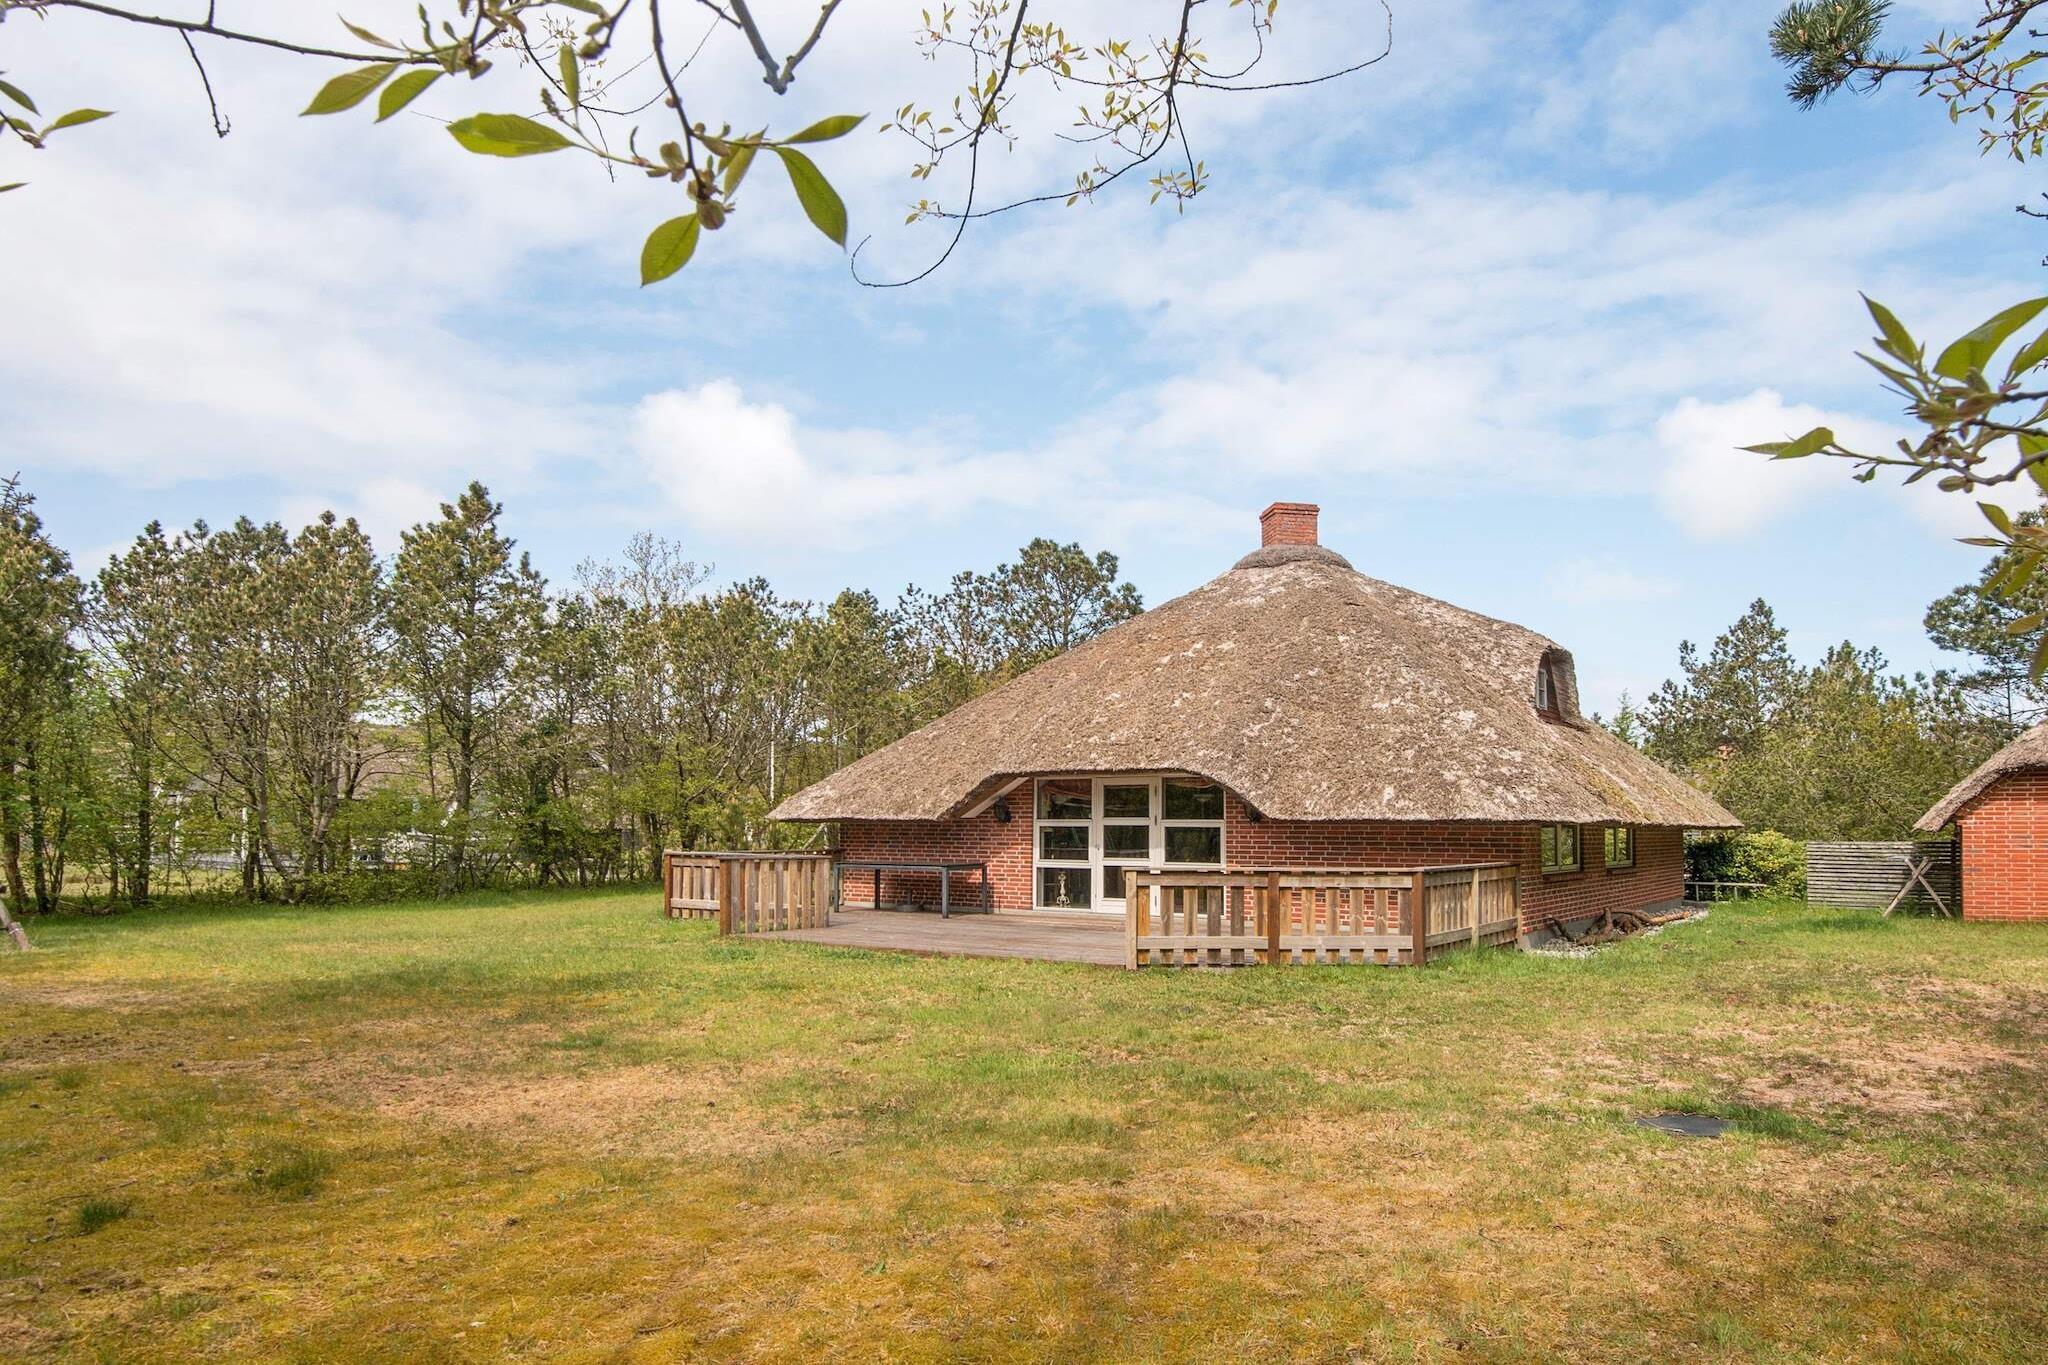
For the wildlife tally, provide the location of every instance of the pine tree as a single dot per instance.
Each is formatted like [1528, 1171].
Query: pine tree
[460, 609]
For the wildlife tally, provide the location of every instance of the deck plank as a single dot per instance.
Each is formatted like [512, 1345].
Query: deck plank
[1044, 938]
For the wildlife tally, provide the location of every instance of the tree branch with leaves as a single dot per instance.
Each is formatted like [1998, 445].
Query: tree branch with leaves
[602, 66]
[1982, 424]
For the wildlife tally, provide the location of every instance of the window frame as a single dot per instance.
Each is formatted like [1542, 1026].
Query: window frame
[1628, 839]
[1100, 860]
[1189, 822]
[1546, 859]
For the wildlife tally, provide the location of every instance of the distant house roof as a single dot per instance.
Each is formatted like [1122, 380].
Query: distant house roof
[2030, 750]
[1311, 690]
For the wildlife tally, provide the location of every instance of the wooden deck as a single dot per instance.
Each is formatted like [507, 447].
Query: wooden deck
[1047, 938]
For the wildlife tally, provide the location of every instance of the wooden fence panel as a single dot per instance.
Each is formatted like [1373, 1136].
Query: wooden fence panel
[1476, 906]
[1304, 916]
[1862, 873]
[752, 893]
[689, 885]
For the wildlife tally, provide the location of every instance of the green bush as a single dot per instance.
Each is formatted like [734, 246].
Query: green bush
[1763, 855]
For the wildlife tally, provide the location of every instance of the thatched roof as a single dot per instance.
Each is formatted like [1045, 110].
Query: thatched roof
[1312, 691]
[2030, 750]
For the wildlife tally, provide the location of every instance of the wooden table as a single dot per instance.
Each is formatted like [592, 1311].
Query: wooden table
[943, 871]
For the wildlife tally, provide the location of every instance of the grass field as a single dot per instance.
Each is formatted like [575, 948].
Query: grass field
[534, 1127]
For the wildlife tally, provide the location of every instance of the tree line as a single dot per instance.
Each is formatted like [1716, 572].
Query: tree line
[280, 714]
[1845, 747]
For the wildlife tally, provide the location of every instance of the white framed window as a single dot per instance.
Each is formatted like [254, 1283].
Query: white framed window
[1064, 856]
[1546, 689]
[1129, 806]
[1191, 822]
[1090, 831]
[1619, 845]
[1559, 845]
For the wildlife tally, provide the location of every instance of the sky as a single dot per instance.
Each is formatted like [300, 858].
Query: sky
[1503, 304]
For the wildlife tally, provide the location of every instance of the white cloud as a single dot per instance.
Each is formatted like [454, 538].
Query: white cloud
[383, 507]
[732, 467]
[1714, 490]
[1448, 330]
[1641, 84]
[1606, 579]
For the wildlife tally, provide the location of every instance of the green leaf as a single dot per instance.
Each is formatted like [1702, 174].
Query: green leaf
[668, 248]
[506, 135]
[822, 204]
[18, 184]
[349, 89]
[825, 129]
[590, 7]
[78, 116]
[14, 92]
[572, 79]
[1897, 341]
[404, 91]
[1995, 514]
[1974, 349]
[372, 39]
[2028, 357]
[1796, 449]
[742, 158]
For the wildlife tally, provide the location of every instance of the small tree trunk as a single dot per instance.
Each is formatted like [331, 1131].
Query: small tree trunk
[10, 842]
[13, 930]
[145, 825]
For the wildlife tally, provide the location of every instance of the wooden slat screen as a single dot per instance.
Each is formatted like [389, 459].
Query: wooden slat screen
[1862, 873]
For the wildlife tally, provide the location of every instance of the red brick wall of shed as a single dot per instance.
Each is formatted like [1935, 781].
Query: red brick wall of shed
[2005, 850]
[1657, 878]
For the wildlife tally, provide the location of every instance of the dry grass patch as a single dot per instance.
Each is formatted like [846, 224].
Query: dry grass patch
[569, 1129]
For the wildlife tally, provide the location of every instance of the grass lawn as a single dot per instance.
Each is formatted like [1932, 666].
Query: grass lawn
[531, 1127]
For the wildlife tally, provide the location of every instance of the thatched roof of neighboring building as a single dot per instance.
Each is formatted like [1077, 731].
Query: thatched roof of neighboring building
[1312, 691]
[2030, 750]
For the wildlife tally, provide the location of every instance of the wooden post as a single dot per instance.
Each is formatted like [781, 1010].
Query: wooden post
[1418, 922]
[1134, 917]
[1273, 919]
[1475, 907]
[724, 879]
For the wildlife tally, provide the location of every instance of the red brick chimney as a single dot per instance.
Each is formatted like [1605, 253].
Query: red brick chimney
[1288, 523]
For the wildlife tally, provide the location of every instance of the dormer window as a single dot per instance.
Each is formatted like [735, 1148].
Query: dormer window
[1546, 689]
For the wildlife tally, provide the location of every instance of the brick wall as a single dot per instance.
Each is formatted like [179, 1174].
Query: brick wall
[2005, 850]
[1657, 878]
[1006, 848]
[1288, 523]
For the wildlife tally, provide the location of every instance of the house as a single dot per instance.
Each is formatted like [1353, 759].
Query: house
[2001, 814]
[1290, 714]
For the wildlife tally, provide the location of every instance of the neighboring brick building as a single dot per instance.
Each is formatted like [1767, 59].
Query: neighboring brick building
[2001, 813]
[1290, 714]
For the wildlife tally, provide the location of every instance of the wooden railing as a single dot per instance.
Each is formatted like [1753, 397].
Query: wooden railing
[689, 885]
[752, 893]
[1303, 916]
[1470, 905]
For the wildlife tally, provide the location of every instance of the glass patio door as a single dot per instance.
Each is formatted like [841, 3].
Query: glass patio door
[1124, 836]
[1091, 831]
